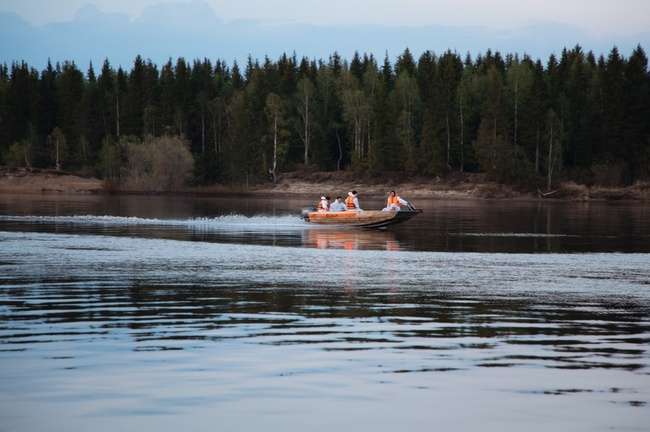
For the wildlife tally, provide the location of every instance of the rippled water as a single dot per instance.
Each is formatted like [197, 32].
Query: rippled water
[132, 313]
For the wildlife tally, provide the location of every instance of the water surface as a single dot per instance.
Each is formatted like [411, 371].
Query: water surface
[132, 313]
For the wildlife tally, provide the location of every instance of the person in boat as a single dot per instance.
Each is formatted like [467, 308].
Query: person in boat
[394, 202]
[323, 205]
[352, 202]
[338, 205]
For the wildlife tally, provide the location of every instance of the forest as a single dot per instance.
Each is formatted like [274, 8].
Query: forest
[577, 116]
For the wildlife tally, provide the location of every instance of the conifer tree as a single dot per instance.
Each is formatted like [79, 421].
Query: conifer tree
[576, 116]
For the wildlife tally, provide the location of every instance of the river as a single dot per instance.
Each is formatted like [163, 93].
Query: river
[178, 313]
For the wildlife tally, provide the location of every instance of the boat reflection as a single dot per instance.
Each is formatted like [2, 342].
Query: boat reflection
[350, 239]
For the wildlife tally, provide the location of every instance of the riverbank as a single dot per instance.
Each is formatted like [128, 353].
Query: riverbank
[455, 186]
[47, 181]
[466, 186]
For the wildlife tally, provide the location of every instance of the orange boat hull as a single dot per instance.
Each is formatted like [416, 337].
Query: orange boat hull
[368, 219]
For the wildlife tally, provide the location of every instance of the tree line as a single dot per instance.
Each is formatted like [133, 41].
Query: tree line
[576, 116]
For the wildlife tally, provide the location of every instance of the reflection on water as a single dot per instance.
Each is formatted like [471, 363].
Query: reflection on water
[350, 239]
[188, 320]
[467, 226]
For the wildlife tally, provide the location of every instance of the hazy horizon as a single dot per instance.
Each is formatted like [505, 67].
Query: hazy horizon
[91, 30]
[597, 16]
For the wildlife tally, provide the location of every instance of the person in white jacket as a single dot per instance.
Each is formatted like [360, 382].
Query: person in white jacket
[338, 205]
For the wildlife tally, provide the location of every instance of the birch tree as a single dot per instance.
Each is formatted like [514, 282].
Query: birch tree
[355, 110]
[275, 116]
[354, 107]
[57, 145]
[217, 110]
[406, 96]
[329, 109]
[520, 82]
[370, 89]
[466, 90]
[202, 102]
[554, 154]
[305, 107]
[450, 68]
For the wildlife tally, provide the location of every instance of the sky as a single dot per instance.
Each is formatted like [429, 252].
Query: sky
[618, 17]
[84, 30]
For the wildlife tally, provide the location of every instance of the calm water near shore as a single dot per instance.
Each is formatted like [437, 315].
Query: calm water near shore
[170, 313]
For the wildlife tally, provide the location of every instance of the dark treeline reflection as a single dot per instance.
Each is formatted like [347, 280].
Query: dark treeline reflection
[465, 226]
[578, 115]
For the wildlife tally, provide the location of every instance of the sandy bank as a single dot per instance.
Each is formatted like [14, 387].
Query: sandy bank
[47, 181]
[456, 186]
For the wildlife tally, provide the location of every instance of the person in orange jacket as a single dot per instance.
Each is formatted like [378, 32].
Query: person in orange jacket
[352, 202]
[323, 205]
[394, 202]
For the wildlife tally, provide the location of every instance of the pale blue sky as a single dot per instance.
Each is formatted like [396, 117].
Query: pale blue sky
[595, 16]
[92, 30]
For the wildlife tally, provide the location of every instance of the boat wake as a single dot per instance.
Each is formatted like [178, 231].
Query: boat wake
[233, 222]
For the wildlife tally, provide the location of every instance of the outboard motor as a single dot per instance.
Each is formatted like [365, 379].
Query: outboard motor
[305, 213]
[410, 206]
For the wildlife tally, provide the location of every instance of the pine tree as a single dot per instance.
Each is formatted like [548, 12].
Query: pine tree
[405, 64]
[106, 87]
[614, 104]
[182, 97]
[578, 117]
[70, 90]
[91, 124]
[133, 108]
[21, 102]
[636, 134]
[4, 114]
[119, 95]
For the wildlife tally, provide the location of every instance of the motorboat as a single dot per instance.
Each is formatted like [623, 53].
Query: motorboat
[360, 218]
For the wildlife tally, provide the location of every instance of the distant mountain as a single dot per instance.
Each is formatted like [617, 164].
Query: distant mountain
[193, 30]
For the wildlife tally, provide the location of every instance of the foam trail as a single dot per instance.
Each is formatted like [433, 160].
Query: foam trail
[232, 222]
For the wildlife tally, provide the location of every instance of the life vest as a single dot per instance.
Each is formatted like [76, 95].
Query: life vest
[393, 200]
[321, 206]
[349, 203]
